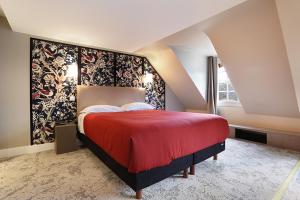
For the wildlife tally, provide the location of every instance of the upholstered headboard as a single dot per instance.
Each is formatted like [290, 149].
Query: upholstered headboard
[116, 96]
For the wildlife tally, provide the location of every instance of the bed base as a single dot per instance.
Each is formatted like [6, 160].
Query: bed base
[141, 180]
[204, 154]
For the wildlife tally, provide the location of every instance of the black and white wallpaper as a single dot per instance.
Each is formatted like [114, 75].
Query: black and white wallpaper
[97, 67]
[53, 91]
[129, 71]
[51, 88]
[155, 90]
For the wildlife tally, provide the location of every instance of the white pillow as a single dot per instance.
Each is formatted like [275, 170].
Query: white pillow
[102, 108]
[137, 106]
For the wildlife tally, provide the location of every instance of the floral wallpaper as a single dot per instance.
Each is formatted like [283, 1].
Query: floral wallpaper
[155, 90]
[53, 90]
[97, 67]
[129, 71]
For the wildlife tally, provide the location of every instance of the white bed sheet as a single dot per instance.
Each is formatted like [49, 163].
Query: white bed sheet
[81, 117]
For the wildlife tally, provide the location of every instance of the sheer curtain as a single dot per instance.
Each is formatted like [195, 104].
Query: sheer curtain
[212, 81]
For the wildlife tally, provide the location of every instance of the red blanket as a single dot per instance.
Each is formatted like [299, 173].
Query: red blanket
[141, 140]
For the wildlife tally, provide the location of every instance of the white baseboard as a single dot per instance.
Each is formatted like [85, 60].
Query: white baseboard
[6, 153]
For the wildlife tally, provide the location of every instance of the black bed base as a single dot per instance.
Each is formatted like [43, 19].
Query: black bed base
[204, 154]
[141, 180]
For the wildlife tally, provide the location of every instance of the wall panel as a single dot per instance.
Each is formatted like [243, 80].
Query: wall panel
[155, 90]
[53, 90]
[129, 70]
[97, 67]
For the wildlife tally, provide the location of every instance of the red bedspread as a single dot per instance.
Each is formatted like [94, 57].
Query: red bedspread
[141, 140]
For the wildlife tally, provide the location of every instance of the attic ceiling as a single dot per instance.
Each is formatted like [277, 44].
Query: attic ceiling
[256, 61]
[173, 72]
[181, 60]
[262, 65]
[126, 25]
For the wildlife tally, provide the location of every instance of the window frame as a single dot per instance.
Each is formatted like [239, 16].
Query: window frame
[227, 102]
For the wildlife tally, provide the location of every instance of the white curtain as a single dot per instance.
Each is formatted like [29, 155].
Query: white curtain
[212, 81]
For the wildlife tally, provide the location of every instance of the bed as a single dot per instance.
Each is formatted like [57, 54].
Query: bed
[146, 146]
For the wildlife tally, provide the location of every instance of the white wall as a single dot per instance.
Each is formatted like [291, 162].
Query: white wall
[289, 15]
[14, 88]
[192, 47]
[172, 102]
[163, 58]
[195, 64]
[181, 59]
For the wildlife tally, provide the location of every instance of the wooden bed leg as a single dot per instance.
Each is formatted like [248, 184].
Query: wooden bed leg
[185, 173]
[138, 194]
[192, 170]
[216, 157]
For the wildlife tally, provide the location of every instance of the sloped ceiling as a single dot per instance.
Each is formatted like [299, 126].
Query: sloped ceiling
[125, 25]
[195, 65]
[192, 49]
[181, 59]
[289, 16]
[170, 68]
[249, 41]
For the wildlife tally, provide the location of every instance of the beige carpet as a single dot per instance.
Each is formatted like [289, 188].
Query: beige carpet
[244, 171]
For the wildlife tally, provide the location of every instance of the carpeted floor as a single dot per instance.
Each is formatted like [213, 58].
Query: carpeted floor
[244, 171]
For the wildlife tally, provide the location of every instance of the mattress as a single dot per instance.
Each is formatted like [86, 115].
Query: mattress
[80, 120]
[142, 140]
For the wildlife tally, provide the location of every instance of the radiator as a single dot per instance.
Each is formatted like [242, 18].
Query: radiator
[252, 135]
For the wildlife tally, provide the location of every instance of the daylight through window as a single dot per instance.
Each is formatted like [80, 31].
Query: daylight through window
[226, 92]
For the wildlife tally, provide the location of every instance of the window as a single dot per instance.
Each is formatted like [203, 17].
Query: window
[226, 93]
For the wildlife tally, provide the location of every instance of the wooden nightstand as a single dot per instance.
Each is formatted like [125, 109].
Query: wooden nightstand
[65, 138]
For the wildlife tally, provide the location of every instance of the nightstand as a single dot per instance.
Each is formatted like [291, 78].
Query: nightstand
[65, 138]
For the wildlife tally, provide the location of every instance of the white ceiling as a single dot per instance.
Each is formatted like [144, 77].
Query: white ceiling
[125, 25]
